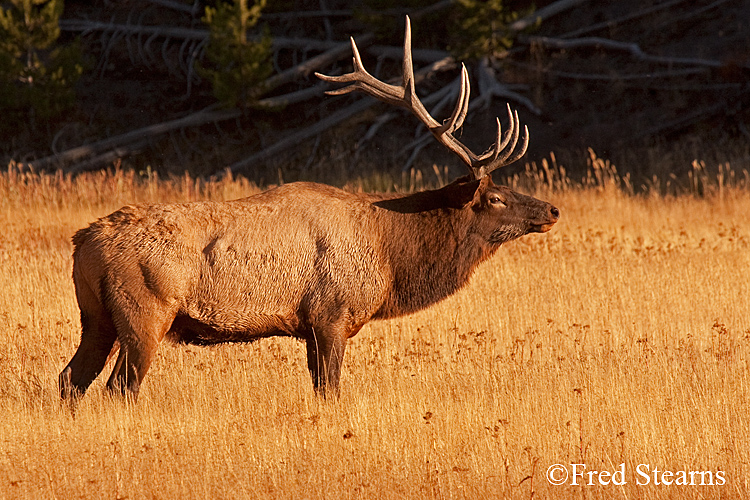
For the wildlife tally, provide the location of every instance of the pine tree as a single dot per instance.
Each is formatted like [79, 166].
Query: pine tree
[36, 78]
[481, 29]
[234, 64]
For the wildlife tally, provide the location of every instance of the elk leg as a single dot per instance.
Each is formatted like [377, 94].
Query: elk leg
[98, 336]
[132, 364]
[325, 354]
[139, 338]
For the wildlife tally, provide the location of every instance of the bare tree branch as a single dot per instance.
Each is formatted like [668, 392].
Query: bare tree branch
[693, 13]
[193, 10]
[281, 101]
[297, 137]
[334, 54]
[683, 121]
[489, 87]
[396, 12]
[131, 143]
[544, 13]
[605, 43]
[397, 53]
[623, 19]
[85, 27]
[109, 157]
[652, 75]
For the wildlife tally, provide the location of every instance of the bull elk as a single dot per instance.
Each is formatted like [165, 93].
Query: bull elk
[304, 260]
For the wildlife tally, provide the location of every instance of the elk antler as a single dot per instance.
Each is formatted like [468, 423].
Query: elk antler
[405, 96]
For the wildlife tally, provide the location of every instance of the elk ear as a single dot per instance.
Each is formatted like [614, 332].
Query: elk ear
[461, 192]
[484, 183]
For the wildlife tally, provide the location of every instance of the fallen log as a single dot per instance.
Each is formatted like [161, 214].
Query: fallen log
[605, 43]
[79, 153]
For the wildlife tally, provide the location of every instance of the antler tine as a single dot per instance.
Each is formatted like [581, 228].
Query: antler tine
[349, 77]
[502, 153]
[509, 156]
[512, 125]
[522, 151]
[462, 106]
[361, 79]
[514, 131]
[407, 65]
[501, 141]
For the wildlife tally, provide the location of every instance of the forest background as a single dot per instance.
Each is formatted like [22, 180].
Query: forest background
[200, 87]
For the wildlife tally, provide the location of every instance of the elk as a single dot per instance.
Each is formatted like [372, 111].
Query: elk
[304, 260]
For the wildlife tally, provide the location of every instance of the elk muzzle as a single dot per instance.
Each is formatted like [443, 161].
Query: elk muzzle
[545, 223]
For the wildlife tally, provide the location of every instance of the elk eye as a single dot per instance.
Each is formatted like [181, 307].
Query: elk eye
[495, 200]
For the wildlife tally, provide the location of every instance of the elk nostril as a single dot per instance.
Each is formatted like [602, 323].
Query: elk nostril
[554, 212]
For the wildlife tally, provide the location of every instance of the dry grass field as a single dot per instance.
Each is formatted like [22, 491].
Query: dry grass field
[620, 341]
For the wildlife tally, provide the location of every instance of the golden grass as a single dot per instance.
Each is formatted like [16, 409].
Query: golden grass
[620, 337]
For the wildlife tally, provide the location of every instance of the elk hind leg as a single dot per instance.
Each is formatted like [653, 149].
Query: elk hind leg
[98, 336]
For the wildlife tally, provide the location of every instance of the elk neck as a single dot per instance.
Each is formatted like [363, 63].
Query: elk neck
[429, 244]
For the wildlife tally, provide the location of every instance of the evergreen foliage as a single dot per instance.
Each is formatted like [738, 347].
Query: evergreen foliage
[431, 31]
[234, 65]
[469, 29]
[481, 29]
[36, 80]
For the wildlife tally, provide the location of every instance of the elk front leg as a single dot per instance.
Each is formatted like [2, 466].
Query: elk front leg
[129, 370]
[139, 331]
[325, 354]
